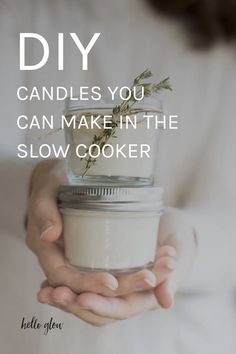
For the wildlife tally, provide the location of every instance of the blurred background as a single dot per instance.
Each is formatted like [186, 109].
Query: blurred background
[193, 42]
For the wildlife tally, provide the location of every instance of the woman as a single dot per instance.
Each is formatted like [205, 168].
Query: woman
[198, 175]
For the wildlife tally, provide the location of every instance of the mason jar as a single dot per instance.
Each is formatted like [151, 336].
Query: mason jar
[127, 156]
[110, 229]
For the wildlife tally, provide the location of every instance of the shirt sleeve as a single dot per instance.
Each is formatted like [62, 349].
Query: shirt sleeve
[14, 178]
[215, 264]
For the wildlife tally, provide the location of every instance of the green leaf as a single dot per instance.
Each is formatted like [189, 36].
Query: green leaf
[124, 108]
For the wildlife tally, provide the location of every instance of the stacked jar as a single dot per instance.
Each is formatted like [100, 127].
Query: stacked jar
[111, 206]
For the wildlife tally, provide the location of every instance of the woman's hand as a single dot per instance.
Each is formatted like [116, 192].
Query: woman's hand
[176, 251]
[44, 228]
[100, 298]
[99, 310]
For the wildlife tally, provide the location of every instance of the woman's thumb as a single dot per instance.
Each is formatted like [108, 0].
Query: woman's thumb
[164, 294]
[47, 218]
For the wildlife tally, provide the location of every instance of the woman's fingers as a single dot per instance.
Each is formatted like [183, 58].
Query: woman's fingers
[165, 294]
[46, 217]
[62, 295]
[141, 280]
[100, 310]
[144, 279]
[166, 251]
[118, 308]
[44, 214]
[44, 295]
[147, 279]
[80, 282]
[66, 300]
[92, 307]
[42, 206]
[165, 263]
[51, 258]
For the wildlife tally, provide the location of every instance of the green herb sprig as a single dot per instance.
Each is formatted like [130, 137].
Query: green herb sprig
[143, 89]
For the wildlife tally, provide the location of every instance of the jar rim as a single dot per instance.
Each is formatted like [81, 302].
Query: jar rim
[89, 193]
[141, 209]
[110, 198]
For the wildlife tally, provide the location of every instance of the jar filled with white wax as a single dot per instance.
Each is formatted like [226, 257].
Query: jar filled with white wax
[110, 229]
[101, 153]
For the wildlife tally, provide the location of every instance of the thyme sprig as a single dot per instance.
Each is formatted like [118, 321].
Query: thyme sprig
[143, 89]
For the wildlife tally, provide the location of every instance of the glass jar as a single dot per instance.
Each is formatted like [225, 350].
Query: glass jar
[126, 157]
[110, 229]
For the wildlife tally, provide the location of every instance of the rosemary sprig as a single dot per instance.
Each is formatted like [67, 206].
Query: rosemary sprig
[144, 89]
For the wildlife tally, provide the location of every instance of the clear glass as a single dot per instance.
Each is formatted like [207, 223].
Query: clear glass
[130, 166]
[118, 242]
